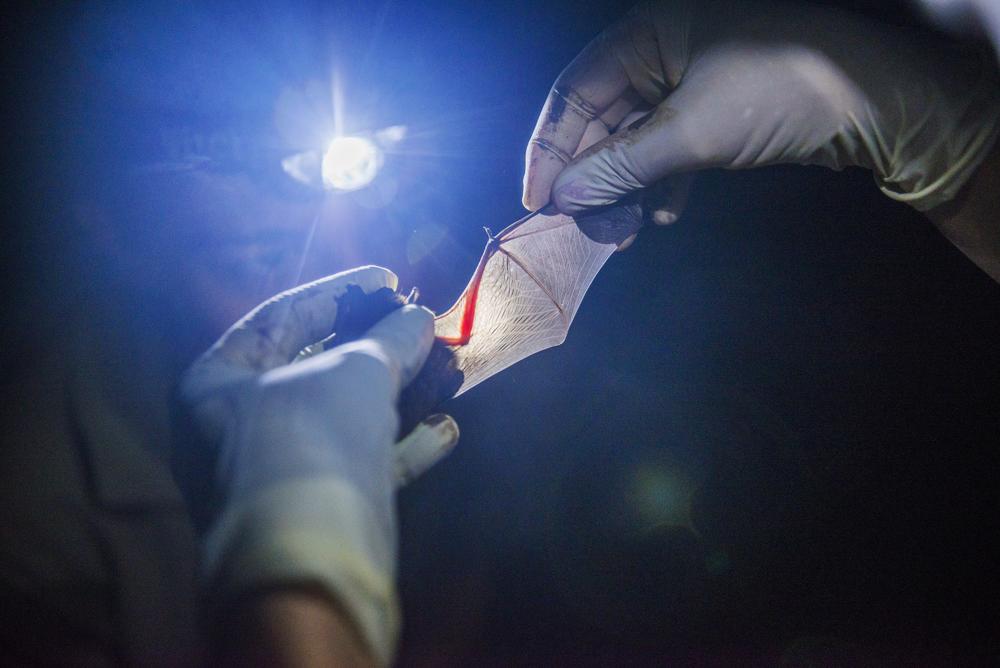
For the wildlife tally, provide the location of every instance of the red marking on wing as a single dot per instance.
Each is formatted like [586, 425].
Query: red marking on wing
[472, 290]
[471, 298]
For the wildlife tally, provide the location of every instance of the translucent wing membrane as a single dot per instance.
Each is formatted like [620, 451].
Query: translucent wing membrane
[527, 288]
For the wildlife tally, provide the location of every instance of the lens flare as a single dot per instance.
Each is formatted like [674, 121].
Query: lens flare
[350, 163]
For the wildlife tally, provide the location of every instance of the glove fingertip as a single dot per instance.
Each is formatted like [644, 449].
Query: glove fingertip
[379, 277]
[408, 332]
[425, 446]
[400, 341]
[664, 217]
[527, 200]
[420, 321]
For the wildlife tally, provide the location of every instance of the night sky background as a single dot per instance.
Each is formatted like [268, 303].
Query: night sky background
[772, 434]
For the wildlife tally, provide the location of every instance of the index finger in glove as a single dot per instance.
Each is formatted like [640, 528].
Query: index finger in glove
[274, 332]
[404, 339]
[612, 75]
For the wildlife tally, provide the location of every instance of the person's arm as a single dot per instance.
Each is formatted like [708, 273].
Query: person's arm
[291, 627]
[743, 85]
[971, 221]
[299, 565]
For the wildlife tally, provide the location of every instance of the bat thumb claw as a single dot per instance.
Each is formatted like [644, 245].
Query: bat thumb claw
[627, 242]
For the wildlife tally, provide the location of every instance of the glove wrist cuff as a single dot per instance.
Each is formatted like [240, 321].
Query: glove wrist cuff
[945, 165]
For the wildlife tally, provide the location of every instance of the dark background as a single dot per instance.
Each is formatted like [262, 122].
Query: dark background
[771, 434]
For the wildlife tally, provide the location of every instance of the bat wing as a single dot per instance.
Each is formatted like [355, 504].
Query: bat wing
[528, 286]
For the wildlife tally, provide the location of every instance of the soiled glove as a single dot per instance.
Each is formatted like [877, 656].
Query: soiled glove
[307, 455]
[741, 85]
[967, 16]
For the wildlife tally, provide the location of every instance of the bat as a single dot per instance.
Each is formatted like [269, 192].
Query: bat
[528, 285]
[521, 299]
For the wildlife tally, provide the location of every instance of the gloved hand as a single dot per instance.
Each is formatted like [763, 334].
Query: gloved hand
[967, 16]
[307, 459]
[743, 85]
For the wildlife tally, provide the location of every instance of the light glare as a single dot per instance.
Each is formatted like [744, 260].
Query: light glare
[350, 163]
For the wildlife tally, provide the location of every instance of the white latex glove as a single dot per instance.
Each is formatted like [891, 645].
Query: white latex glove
[964, 16]
[307, 450]
[741, 85]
